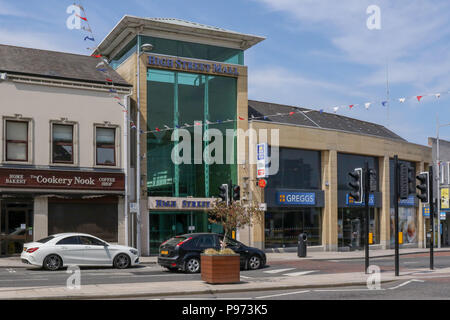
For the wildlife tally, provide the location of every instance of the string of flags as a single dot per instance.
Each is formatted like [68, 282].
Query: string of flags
[102, 64]
[334, 109]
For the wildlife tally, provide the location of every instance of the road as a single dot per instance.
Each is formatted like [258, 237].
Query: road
[440, 289]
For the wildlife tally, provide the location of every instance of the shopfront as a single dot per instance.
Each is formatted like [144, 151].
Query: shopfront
[351, 215]
[294, 200]
[37, 203]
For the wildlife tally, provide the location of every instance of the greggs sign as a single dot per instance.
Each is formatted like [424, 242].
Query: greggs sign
[44, 179]
[186, 65]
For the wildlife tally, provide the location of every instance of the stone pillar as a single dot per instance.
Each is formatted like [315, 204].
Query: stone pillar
[385, 212]
[121, 232]
[40, 217]
[330, 209]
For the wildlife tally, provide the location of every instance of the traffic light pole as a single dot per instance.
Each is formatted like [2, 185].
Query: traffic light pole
[396, 185]
[366, 204]
[431, 197]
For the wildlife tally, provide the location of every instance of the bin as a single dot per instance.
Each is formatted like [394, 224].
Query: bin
[301, 248]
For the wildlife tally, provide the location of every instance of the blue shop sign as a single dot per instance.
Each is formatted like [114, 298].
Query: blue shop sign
[351, 202]
[410, 202]
[426, 212]
[296, 198]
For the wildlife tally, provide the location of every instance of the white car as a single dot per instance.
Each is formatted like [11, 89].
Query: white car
[65, 249]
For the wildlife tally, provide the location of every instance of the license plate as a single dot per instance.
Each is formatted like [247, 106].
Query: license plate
[164, 252]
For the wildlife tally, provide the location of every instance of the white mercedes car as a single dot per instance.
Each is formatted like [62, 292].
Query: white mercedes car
[66, 249]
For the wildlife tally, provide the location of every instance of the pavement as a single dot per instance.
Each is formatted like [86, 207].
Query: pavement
[171, 288]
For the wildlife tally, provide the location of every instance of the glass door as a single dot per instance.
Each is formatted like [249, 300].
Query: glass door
[15, 227]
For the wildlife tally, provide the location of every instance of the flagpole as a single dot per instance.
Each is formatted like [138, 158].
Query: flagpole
[387, 91]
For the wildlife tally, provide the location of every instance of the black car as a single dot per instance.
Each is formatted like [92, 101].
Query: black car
[183, 252]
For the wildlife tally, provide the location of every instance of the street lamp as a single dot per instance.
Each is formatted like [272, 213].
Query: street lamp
[438, 178]
[146, 47]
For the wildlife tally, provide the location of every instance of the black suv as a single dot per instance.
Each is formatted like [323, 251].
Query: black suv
[183, 252]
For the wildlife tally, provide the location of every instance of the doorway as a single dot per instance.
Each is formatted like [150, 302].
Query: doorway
[16, 226]
[351, 228]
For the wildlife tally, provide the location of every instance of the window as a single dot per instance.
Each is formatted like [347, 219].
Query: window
[91, 241]
[16, 140]
[105, 146]
[205, 242]
[62, 138]
[45, 240]
[70, 240]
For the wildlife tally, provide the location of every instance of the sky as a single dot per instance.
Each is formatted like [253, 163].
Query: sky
[318, 54]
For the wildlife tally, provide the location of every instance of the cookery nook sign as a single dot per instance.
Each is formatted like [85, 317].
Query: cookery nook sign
[44, 179]
[194, 66]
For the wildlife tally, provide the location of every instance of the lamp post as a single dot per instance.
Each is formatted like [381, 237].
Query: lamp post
[438, 178]
[140, 48]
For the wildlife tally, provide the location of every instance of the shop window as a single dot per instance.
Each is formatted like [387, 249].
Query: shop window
[62, 140]
[105, 146]
[16, 140]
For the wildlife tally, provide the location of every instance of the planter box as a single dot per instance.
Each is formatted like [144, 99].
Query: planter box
[217, 269]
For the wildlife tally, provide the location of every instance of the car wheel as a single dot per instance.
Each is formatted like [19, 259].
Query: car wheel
[192, 265]
[122, 261]
[254, 262]
[52, 262]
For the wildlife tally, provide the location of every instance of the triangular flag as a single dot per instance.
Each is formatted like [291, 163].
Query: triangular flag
[367, 105]
[384, 103]
[419, 97]
[240, 118]
[350, 106]
[321, 110]
[335, 109]
[157, 129]
[402, 100]
[291, 113]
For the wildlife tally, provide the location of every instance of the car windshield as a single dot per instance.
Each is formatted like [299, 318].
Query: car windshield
[45, 239]
[231, 243]
[175, 240]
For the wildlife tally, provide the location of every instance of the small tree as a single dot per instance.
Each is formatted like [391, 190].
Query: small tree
[234, 216]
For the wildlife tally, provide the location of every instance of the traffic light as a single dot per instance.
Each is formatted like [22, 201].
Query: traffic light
[356, 185]
[411, 180]
[403, 188]
[373, 183]
[223, 194]
[424, 187]
[236, 193]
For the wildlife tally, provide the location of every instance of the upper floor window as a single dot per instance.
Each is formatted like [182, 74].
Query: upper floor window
[16, 140]
[105, 142]
[62, 139]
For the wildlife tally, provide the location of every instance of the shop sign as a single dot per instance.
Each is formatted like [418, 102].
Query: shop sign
[443, 215]
[44, 179]
[445, 198]
[172, 203]
[261, 160]
[185, 65]
[410, 202]
[351, 202]
[426, 212]
[296, 198]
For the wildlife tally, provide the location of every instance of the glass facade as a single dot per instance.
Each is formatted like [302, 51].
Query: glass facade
[178, 99]
[299, 170]
[351, 218]
[181, 49]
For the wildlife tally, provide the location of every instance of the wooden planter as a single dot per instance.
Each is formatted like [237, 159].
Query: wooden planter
[221, 268]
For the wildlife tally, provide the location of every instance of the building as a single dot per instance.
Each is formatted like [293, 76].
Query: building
[441, 188]
[189, 78]
[62, 148]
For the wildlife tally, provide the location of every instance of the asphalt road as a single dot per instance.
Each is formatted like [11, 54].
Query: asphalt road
[35, 277]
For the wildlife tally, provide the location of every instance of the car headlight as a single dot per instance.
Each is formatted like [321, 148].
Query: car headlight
[135, 252]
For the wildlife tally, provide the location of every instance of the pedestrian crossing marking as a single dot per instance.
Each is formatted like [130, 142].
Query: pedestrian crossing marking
[279, 270]
[302, 273]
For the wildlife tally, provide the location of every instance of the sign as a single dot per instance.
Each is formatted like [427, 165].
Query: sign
[445, 198]
[261, 160]
[262, 183]
[173, 203]
[350, 201]
[426, 212]
[263, 206]
[61, 180]
[296, 198]
[194, 66]
[443, 215]
[133, 207]
[409, 202]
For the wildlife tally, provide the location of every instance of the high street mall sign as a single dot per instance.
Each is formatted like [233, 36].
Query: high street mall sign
[45, 179]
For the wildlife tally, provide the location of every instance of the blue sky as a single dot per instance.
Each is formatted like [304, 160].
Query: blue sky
[318, 53]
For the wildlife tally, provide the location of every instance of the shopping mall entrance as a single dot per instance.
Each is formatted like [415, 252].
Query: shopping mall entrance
[351, 228]
[16, 226]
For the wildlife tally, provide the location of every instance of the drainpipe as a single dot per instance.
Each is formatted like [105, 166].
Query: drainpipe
[126, 161]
